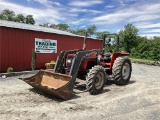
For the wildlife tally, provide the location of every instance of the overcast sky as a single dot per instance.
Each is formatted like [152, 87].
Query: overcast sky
[107, 15]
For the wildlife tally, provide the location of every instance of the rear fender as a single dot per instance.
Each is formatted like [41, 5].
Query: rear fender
[115, 55]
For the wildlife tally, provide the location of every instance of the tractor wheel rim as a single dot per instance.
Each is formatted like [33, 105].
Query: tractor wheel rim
[99, 80]
[125, 71]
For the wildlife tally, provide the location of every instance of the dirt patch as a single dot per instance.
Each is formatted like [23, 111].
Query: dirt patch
[137, 100]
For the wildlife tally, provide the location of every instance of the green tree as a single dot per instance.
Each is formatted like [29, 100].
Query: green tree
[91, 30]
[155, 48]
[1, 17]
[147, 48]
[53, 26]
[30, 20]
[64, 27]
[7, 15]
[10, 16]
[100, 35]
[72, 31]
[81, 32]
[20, 18]
[44, 25]
[128, 37]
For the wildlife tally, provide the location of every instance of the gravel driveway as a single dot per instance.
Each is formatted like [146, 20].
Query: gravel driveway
[140, 99]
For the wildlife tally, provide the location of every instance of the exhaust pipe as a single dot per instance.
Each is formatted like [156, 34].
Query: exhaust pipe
[84, 43]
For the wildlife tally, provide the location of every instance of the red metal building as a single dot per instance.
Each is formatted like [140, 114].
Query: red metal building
[17, 41]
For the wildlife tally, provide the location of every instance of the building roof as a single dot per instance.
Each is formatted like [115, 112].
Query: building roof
[35, 28]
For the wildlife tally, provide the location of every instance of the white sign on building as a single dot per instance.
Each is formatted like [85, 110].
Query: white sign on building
[45, 45]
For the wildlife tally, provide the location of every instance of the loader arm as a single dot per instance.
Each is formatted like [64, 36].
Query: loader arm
[60, 62]
[78, 59]
[76, 64]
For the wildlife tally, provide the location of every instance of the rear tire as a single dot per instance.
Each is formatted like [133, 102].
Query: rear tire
[95, 80]
[121, 70]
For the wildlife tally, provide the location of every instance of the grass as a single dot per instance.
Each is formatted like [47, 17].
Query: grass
[143, 61]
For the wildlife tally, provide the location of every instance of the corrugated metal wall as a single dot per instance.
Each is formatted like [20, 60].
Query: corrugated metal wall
[16, 47]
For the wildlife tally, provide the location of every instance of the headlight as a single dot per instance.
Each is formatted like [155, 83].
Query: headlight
[69, 61]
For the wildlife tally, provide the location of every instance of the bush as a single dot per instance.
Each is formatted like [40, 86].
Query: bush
[9, 70]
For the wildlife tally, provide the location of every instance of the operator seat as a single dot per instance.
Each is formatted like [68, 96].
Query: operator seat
[106, 57]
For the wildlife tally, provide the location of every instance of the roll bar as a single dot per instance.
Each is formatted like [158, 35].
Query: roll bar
[117, 43]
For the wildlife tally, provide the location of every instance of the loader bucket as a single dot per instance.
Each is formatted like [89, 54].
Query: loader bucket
[56, 84]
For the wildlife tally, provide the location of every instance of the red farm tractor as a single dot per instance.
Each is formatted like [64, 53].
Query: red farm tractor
[95, 66]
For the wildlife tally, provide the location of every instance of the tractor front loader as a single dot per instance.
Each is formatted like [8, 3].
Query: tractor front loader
[92, 65]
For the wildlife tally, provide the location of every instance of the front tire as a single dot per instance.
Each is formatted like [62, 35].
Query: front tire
[95, 80]
[121, 70]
